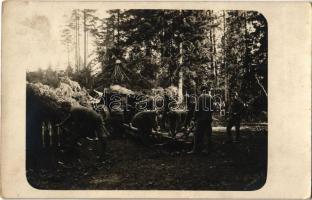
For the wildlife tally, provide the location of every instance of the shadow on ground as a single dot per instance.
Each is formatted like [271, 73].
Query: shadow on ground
[132, 166]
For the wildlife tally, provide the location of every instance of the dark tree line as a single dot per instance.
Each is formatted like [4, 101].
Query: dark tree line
[144, 49]
[149, 48]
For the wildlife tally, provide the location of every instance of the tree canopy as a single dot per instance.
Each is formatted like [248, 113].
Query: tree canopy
[145, 49]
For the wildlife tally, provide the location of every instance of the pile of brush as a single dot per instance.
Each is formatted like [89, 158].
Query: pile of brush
[44, 111]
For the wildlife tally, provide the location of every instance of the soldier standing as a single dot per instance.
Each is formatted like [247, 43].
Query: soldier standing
[203, 117]
[190, 103]
[234, 119]
[166, 109]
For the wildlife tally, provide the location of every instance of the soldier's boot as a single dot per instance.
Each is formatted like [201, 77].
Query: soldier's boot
[237, 127]
[229, 135]
[198, 143]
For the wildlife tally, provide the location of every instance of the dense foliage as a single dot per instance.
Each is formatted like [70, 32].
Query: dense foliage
[145, 49]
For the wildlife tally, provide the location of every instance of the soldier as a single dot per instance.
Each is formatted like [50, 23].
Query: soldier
[173, 116]
[117, 115]
[234, 119]
[144, 121]
[190, 103]
[203, 116]
[129, 108]
[85, 122]
[166, 109]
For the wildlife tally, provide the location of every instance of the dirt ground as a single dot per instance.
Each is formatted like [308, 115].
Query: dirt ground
[133, 166]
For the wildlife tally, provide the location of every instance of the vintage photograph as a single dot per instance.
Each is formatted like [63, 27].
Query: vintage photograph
[146, 99]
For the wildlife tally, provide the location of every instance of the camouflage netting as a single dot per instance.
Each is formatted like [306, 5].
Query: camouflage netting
[43, 112]
[49, 99]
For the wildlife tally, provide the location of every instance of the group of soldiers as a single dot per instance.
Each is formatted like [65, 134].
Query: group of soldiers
[203, 117]
[89, 123]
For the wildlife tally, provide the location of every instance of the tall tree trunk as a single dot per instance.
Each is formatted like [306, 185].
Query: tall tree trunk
[213, 70]
[87, 46]
[214, 52]
[180, 84]
[85, 39]
[113, 32]
[78, 41]
[118, 21]
[246, 41]
[247, 61]
[68, 63]
[148, 54]
[226, 83]
[162, 39]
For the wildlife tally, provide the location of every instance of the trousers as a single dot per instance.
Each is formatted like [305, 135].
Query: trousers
[202, 128]
[233, 121]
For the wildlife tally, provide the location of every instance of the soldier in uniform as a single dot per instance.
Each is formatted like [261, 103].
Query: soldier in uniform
[203, 116]
[190, 112]
[129, 110]
[117, 115]
[235, 113]
[166, 109]
[145, 121]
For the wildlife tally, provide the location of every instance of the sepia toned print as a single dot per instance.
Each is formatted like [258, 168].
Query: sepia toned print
[148, 99]
[180, 156]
